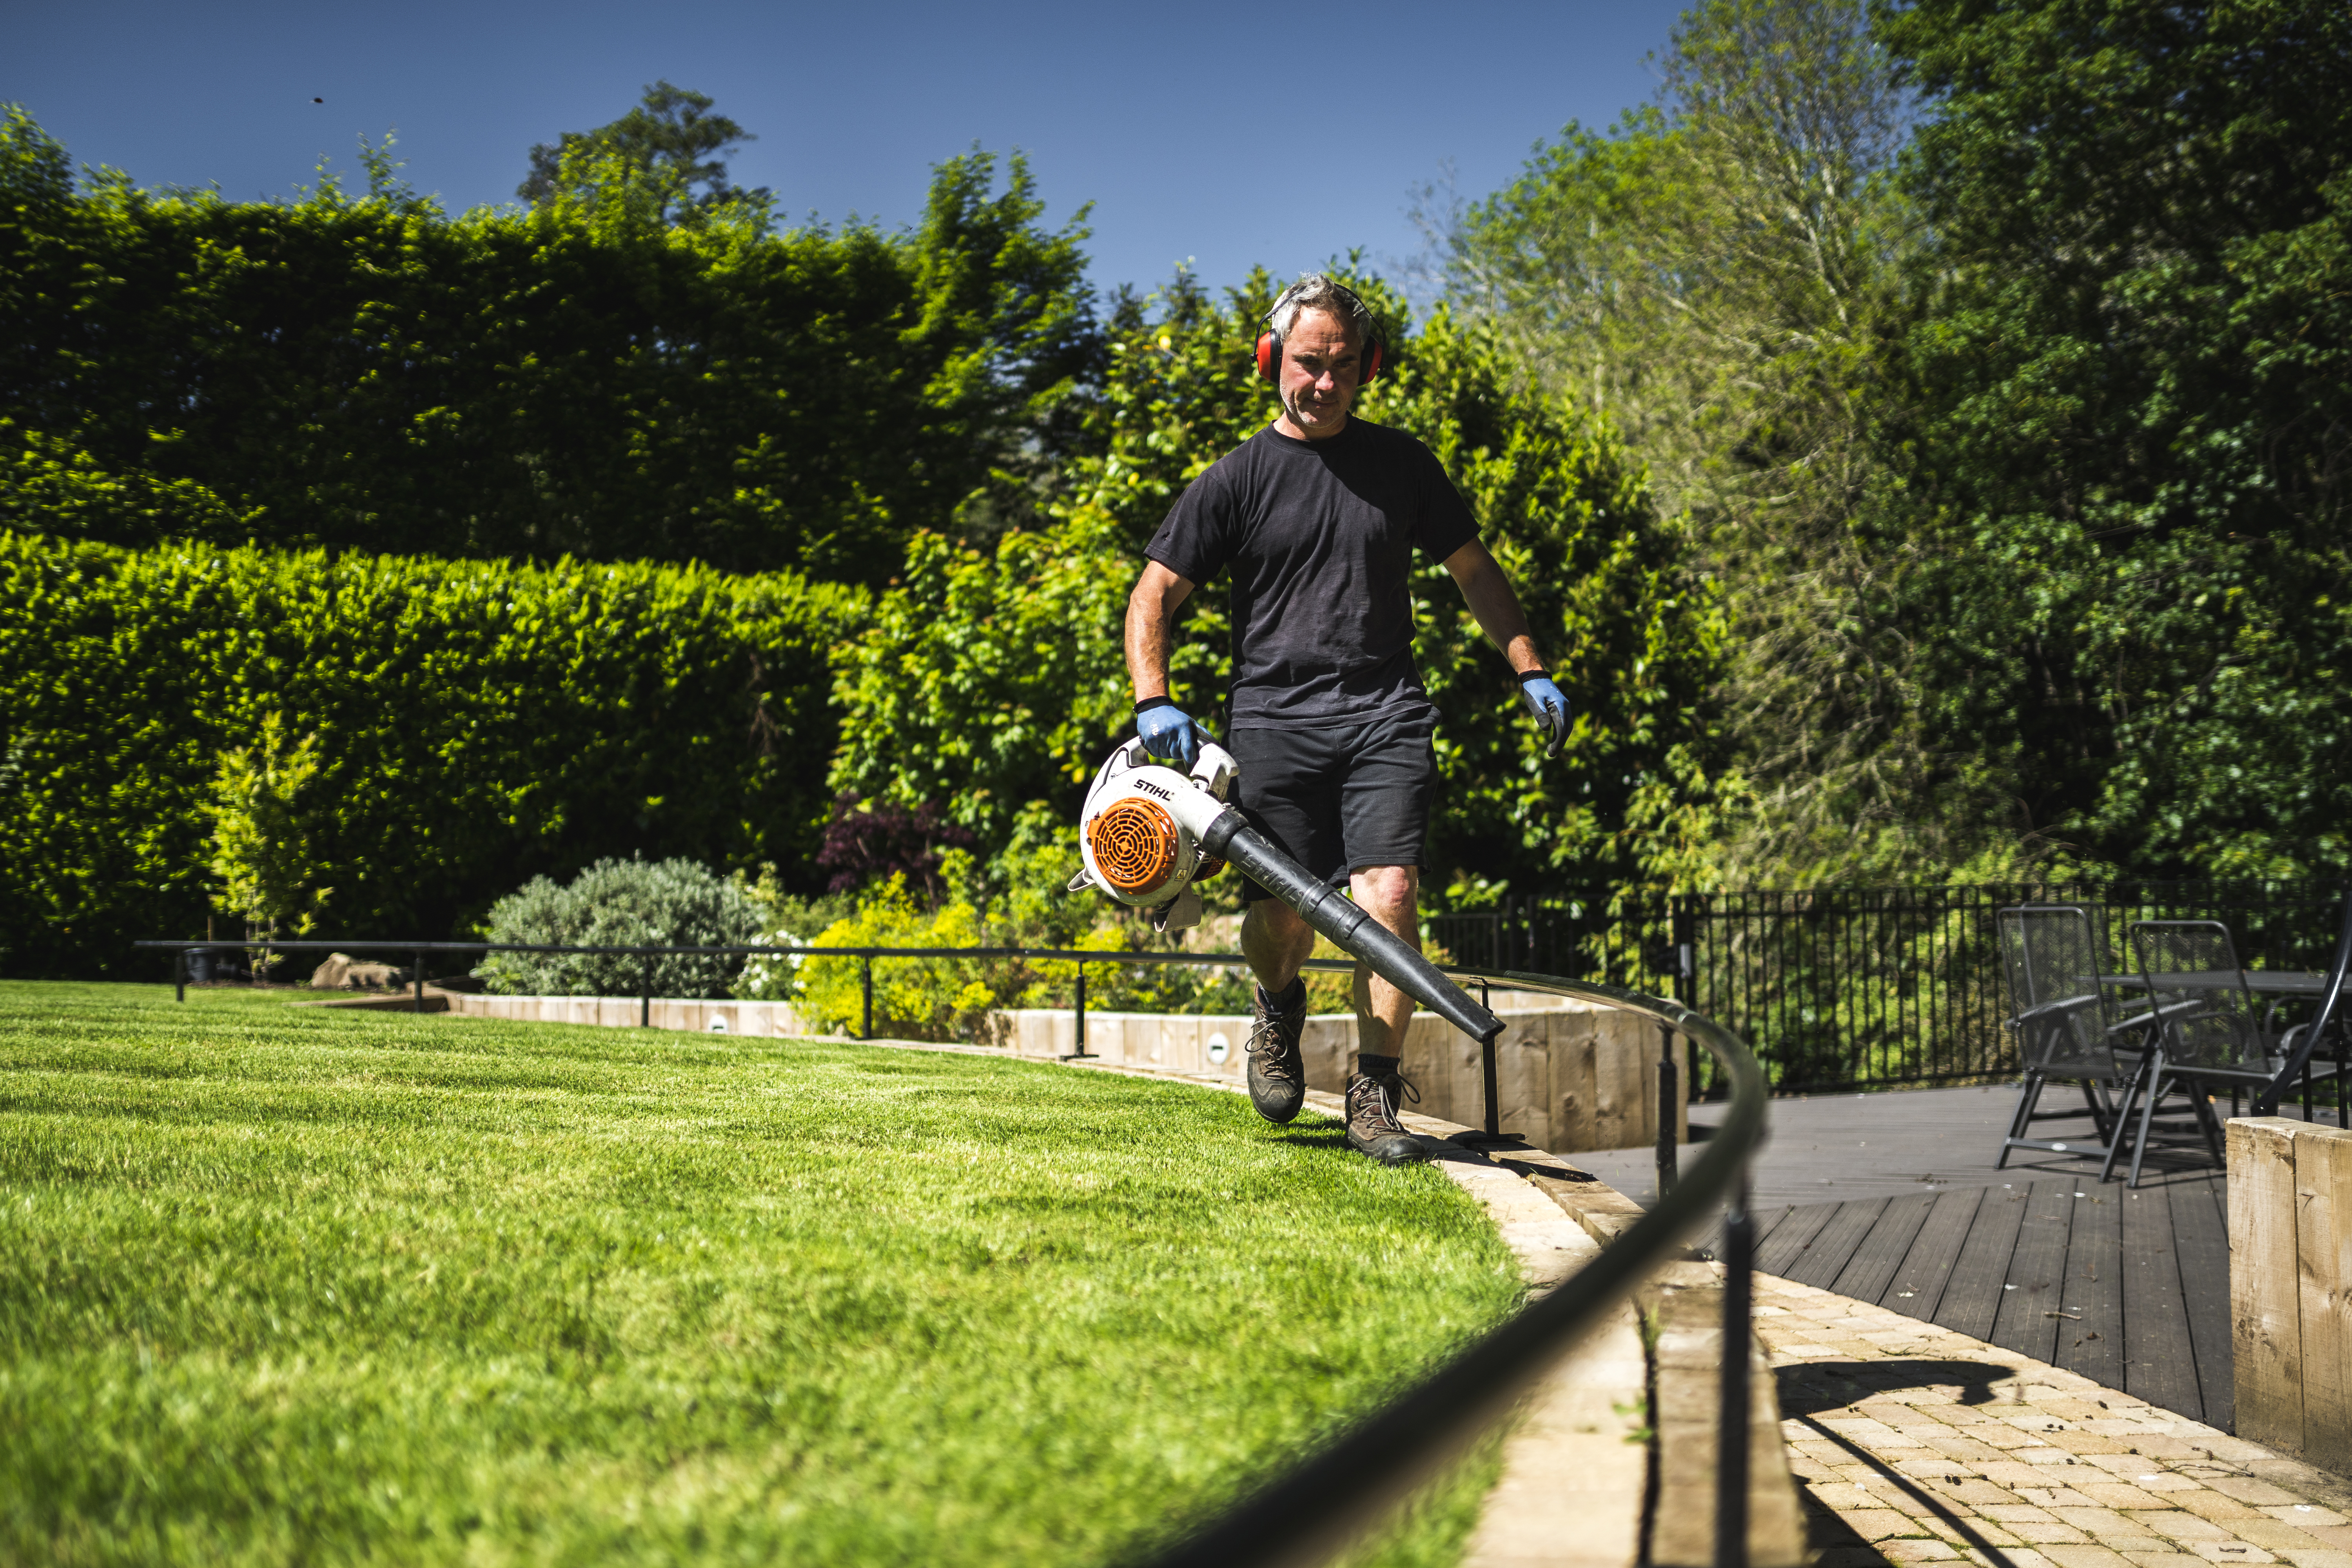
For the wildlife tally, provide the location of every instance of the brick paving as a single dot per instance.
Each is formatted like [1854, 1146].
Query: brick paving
[1915, 1444]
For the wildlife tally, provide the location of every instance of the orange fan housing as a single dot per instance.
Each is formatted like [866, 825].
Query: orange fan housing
[1135, 845]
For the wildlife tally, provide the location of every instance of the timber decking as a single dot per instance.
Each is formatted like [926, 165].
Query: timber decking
[2131, 1289]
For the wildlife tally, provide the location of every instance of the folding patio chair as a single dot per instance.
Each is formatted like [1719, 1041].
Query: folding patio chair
[2209, 1037]
[2051, 955]
[2297, 1054]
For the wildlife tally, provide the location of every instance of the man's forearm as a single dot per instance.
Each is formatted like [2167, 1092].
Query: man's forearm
[1152, 627]
[1499, 614]
[1149, 639]
[1492, 604]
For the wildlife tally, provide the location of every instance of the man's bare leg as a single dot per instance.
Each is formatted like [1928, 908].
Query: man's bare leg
[1276, 941]
[1393, 896]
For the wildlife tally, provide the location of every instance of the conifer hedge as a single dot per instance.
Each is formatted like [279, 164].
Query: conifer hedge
[481, 722]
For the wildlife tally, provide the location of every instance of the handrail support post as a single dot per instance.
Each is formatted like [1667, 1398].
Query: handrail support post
[1733, 1438]
[865, 980]
[1669, 1161]
[1491, 1136]
[1079, 1053]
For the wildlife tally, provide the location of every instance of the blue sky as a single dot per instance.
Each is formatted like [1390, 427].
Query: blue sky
[1224, 133]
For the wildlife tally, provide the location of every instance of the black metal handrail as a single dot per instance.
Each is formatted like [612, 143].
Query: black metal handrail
[1318, 1507]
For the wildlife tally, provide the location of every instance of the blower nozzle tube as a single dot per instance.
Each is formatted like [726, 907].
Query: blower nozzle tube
[1347, 923]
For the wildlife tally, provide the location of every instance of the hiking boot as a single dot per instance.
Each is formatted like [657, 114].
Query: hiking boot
[1373, 1126]
[1277, 1077]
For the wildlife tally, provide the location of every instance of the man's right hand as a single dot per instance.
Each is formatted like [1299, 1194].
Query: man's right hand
[1166, 732]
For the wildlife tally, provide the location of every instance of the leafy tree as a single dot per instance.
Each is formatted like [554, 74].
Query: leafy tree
[1722, 275]
[665, 146]
[261, 844]
[2135, 404]
[369, 372]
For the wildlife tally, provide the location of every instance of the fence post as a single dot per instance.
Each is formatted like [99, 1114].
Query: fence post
[179, 974]
[646, 993]
[1081, 1050]
[417, 977]
[1486, 1064]
[1669, 1165]
[865, 978]
[1732, 1438]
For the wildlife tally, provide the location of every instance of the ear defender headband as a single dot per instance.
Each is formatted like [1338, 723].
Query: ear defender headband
[1269, 345]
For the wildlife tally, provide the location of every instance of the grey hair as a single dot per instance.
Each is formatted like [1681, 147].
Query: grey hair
[1313, 292]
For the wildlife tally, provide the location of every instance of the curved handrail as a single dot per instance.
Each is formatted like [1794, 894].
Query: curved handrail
[1309, 1513]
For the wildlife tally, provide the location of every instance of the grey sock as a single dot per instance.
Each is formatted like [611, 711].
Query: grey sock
[1371, 1065]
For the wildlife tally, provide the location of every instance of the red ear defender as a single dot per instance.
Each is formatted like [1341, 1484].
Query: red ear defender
[1372, 357]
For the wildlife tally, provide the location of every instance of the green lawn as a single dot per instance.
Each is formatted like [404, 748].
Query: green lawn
[280, 1284]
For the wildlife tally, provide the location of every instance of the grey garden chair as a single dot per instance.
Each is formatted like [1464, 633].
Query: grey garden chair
[2051, 956]
[2298, 1050]
[2210, 1037]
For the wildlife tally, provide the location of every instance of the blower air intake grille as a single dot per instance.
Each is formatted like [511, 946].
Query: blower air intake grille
[1134, 844]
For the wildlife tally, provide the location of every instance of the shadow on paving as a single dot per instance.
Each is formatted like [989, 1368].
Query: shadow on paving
[1810, 1388]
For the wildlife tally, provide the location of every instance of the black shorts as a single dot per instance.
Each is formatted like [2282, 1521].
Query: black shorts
[1342, 798]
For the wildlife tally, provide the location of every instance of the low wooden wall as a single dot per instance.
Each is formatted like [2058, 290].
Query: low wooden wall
[757, 1018]
[1571, 1076]
[2290, 1271]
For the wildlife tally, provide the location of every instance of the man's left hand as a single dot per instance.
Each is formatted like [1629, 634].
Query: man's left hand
[1547, 704]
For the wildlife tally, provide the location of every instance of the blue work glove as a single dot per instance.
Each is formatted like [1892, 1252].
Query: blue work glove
[1550, 708]
[1166, 732]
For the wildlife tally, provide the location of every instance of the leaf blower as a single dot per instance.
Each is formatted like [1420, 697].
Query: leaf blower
[1148, 833]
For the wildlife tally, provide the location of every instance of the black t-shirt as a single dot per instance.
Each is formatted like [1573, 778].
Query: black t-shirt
[1320, 536]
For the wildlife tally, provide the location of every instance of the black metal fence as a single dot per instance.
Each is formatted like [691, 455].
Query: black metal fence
[1859, 987]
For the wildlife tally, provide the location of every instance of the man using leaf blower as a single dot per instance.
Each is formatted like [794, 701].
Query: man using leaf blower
[1317, 518]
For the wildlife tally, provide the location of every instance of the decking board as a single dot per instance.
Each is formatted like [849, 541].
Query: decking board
[2201, 1232]
[1973, 1291]
[2026, 1320]
[1791, 1236]
[2093, 1333]
[1825, 1257]
[2156, 1318]
[1874, 1263]
[1917, 1286]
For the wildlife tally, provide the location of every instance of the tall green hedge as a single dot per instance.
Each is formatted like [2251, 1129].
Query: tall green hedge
[369, 372]
[482, 723]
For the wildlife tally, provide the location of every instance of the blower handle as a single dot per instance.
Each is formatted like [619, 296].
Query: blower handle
[1348, 923]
